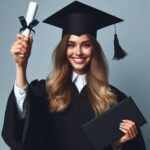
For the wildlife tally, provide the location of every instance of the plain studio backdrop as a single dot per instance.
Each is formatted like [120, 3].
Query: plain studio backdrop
[131, 75]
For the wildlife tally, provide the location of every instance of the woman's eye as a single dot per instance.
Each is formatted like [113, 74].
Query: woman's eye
[71, 45]
[87, 45]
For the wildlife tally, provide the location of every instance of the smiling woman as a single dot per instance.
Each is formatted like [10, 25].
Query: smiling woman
[79, 52]
[48, 114]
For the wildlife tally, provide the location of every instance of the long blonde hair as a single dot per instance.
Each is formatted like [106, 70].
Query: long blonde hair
[59, 81]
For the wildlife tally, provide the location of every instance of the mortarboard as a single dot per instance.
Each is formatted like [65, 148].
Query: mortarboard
[78, 18]
[104, 130]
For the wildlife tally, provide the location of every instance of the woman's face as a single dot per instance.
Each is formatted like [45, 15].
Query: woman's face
[79, 52]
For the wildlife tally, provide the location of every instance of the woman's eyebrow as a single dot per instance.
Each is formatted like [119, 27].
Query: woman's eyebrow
[71, 42]
[88, 41]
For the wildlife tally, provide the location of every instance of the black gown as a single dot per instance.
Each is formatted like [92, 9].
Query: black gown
[42, 130]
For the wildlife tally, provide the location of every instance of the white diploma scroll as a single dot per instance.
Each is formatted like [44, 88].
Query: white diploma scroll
[32, 9]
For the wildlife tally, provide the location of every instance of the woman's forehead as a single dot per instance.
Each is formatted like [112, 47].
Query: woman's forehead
[81, 38]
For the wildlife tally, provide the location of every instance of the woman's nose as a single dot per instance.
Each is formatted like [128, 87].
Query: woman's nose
[78, 50]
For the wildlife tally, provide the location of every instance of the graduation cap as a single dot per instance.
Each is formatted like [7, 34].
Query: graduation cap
[78, 18]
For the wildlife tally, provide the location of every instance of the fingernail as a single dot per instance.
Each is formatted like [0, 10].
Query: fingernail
[120, 125]
[120, 129]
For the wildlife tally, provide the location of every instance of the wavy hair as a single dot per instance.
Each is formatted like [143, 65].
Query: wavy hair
[59, 81]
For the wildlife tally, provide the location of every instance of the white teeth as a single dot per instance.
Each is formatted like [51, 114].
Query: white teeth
[78, 60]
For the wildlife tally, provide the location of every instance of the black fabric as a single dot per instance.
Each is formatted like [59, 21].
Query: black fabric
[104, 130]
[11, 123]
[42, 130]
[78, 18]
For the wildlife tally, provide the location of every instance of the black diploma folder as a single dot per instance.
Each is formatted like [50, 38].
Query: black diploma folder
[104, 130]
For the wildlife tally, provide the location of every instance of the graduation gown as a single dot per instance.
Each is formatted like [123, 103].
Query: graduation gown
[42, 130]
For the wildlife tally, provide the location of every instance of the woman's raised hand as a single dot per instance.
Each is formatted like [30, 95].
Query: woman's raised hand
[21, 50]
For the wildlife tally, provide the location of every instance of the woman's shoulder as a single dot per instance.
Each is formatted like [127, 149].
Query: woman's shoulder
[37, 82]
[120, 94]
[38, 87]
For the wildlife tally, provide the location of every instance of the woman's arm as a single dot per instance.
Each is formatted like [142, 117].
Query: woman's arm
[20, 51]
[133, 138]
[14, 127]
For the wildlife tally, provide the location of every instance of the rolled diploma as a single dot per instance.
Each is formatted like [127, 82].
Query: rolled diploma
[32, 9]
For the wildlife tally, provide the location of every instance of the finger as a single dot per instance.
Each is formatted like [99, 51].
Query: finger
[20, 37]
[127, 133]
[125, 137]
[128, 126]
[21, 40]
[16, 46]
[17, 52]
[30, 41]
[18, 42]
[21, 44]
[131, 124]
[24, 44]
[20, 51]
[128, 121]
[129, 129]
[27, 44]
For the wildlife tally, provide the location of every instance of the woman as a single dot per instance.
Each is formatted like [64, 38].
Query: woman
[54, 109]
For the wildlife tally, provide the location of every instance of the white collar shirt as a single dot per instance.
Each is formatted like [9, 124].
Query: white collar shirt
[79, 80]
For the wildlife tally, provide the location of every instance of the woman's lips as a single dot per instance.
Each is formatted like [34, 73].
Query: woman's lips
[79, 60]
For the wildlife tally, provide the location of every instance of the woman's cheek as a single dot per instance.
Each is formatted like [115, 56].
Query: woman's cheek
[69, 53]
[89, 53]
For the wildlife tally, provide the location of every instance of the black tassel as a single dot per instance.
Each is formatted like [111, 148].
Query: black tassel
[119, 53]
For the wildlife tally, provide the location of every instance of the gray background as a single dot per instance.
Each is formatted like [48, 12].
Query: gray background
[131, 75]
